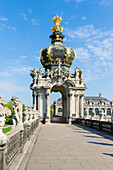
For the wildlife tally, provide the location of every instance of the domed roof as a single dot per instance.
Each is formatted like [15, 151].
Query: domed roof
[51, 55]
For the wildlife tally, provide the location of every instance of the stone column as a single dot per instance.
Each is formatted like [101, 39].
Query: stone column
[39, 104]
[81, 106]
[34, 99]
[70, 106]
[77, 105]
[55, 103]
[63, 106]
[65, 109]
[47, 104]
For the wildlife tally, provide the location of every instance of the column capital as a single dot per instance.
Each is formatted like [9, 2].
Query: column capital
[46, 94]
[70, 94]
[39, 94]
[76, 95]
[82, 95]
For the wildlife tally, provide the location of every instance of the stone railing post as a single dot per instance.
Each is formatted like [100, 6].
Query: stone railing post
[3, 150]
[21, 141]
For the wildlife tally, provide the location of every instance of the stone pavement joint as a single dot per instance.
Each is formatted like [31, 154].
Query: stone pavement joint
[62, 146]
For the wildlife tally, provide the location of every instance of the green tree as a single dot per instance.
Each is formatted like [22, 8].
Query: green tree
[9, 118]
[52, 110]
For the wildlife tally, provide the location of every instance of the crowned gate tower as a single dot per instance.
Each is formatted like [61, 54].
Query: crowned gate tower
[57, 59]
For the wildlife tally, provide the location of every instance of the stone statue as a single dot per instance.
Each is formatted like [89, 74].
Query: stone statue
[77, 72]
[4, 111]
[40, 73]
[93, 113]
[102, 115]
[86, 113]
[17, 107]
[30, 115]
[26, 114]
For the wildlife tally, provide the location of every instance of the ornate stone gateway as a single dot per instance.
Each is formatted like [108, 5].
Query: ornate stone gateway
[57, 59]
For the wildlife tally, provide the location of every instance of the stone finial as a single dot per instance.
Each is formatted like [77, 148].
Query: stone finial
[100, 94]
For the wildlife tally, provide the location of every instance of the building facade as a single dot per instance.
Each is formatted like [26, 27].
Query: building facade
[94, 107]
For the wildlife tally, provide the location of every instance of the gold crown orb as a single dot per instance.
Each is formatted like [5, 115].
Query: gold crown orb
[57, 26]
[57, 20]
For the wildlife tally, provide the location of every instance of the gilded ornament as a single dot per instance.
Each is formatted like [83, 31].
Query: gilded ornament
[57, 20]
[58, 58]
[57, 26]
[42, 58]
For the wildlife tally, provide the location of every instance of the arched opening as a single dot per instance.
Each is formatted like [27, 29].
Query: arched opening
[108, 111]
[90, 111]
[97, 111]
[58, 104]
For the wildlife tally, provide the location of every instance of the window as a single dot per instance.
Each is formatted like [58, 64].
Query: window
[108, 111]
[90, 111]
[97, 111]
[59, 110]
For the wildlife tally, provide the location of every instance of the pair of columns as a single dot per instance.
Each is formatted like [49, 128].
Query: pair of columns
[78, 105]
[66, 104]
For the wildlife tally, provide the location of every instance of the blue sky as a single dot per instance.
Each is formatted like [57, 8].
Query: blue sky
[25, 27]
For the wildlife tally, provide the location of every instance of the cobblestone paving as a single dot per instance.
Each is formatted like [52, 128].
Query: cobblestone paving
[70, 147]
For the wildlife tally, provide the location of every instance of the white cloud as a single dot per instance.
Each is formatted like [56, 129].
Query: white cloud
[10, 88]
[66, 22]
[82, 53]
[94, 49]
[30, 11]
[35, 22]
[24, 57]
[24, 16]
[83, 18]
[21, 69]
[106, 2]
[77, 1]
[3, 19]
[5, 73]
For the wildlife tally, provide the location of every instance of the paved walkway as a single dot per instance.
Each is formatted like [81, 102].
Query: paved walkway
[61, 146]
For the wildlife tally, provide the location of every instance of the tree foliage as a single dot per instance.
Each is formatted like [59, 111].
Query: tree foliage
[52, 110]
[9, 118]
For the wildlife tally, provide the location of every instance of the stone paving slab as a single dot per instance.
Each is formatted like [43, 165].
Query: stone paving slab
[70, 147]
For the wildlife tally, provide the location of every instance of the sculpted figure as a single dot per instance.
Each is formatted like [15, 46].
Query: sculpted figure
[77, 73]
[17, 107]
[102, 115]
[93, 113]
[26, 115]
[86, 113]
[4, 111]
[40, 73]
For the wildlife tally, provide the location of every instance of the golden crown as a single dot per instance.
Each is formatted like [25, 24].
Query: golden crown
[57, 20]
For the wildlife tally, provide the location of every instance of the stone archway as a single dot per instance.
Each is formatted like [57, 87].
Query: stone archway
[57, 59]
[62, 90]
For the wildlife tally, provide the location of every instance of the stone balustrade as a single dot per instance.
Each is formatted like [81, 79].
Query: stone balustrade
[16, 141]
[12, 143]
[100, 125]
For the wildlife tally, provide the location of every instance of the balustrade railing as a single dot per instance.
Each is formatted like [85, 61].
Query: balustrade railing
[101, 125]
[15, 144]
